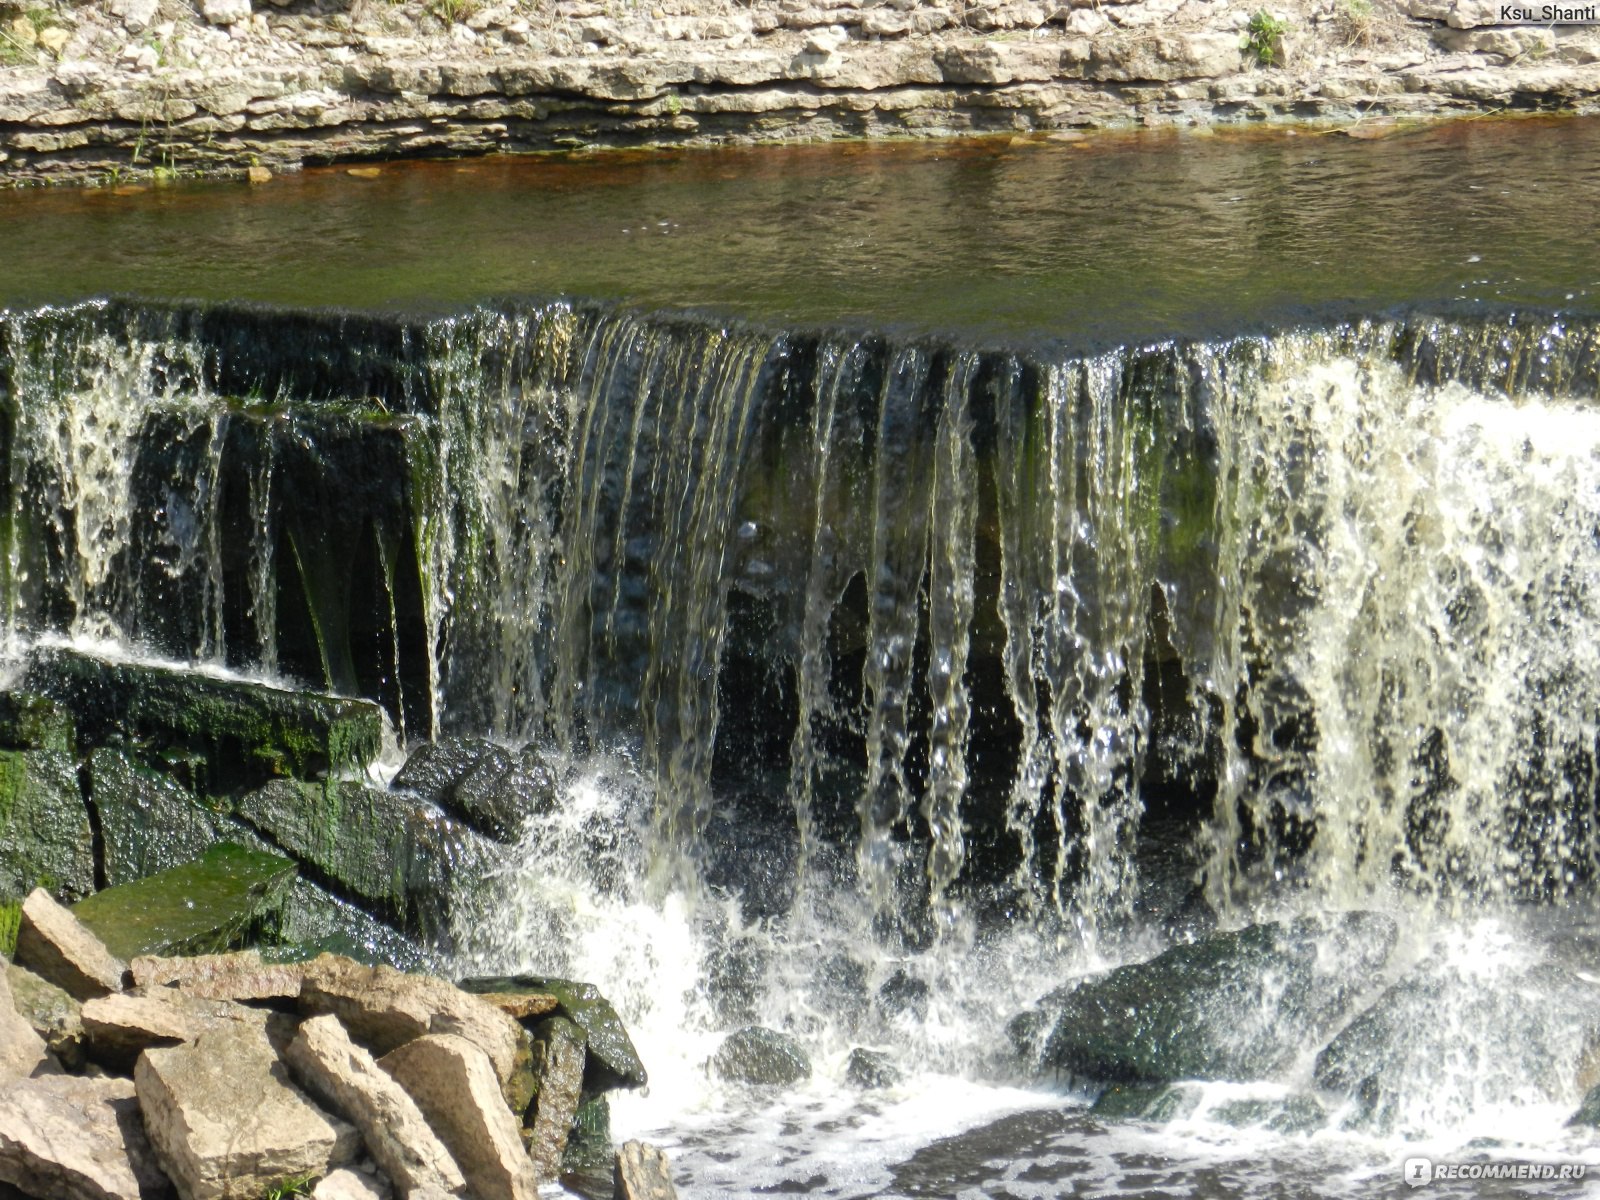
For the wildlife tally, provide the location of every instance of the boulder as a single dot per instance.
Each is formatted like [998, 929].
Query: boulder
[454, 1084]
[221, 899]
[55, 945]
[227, 1122]
[67, 1138]
[240, 975]
[119, 1027]
[384, 1008]
[148, 821]
[558, 1053]
[435, 768]
[496, 797]
[643, 1173]
[45, 836]
[246, 730]
[870, 1069]
[1294, 1113]
[613, 1061]
[395, 1132]
[1408, 1062]
[523, 1005]
[489, 787]
[53, 1014]
[1237, 1006]
[760, 1056]
[22, 1050]
[383, 849]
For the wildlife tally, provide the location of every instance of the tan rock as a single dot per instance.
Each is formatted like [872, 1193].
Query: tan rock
[55, 945]
[22, 1050]
[54, 39]
[383, 1009]
[118, 1028]
[238, 976]
[226, 1121]
[346, 1184]
[66, 1138]
[454, 1084]
[394, 1130]
[558, 1062]
[53, 1014]
[643, 1173]
[519, 1005]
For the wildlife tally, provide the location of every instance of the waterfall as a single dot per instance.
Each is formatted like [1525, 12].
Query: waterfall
[943, 616]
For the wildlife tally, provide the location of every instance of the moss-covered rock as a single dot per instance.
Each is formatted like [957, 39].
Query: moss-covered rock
[392, 854]
[762, 1056]
[148, 822]
[613, 1062]
[1237, 1006]
[248, 731]
[589, 1143]
[1294, 1113]
[45, 837]
[219, 901]
[32, 722]
[1588, 1113]
[315, 921]
[53, 1013]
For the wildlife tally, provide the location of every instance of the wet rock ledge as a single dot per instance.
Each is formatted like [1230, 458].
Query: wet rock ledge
[233, 1076]
[114, 90]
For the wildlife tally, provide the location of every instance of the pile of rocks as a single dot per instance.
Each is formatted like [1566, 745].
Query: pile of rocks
[226, 1076]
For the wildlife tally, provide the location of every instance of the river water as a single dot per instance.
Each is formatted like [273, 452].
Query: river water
[944, 572]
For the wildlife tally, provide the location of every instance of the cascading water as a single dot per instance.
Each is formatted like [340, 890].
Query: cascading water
[897, 683]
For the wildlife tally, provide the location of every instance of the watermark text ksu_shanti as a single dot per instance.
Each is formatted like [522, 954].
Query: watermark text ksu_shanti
[1549, 14]
[1419, 1171]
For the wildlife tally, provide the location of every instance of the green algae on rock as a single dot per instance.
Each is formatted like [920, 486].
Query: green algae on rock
[45, 836]
[217, 902]
[247, 729]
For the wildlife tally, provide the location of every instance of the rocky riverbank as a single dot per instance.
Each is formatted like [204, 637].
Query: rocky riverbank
[111, 90]
[227, 1076]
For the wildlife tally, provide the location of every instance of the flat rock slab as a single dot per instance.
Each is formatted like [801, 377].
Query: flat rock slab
[396, 1133]
[203, 906]
[523, 1005]
[120, 1027]
[66, 1138]
[226, 1121]
[240, 975]
[55, 945]
[454, 1084]
[301, 733]
[384, 1008]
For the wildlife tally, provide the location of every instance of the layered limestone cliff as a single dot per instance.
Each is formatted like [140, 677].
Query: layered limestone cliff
[113, 89]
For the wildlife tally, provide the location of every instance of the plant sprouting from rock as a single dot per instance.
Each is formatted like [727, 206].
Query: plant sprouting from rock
[1263, 39]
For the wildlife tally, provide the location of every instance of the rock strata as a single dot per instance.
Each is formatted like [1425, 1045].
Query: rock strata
[121, 91]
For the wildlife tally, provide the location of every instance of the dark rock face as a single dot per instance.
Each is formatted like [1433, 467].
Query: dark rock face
[45, 837]
[760, 1056]
[612, 1061]
[1236, 1006]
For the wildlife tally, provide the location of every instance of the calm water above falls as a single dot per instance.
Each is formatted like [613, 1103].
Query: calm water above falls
[935, 571]
[1115, 237]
